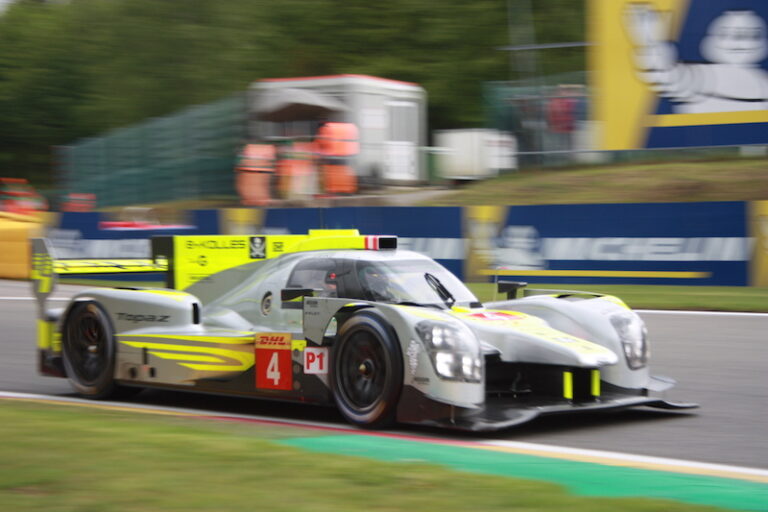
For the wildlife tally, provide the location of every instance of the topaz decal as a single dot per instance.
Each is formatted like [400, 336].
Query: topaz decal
[129, 317]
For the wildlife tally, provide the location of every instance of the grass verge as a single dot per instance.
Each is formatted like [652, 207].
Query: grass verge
[59, 458]
[702, 298]
[718, 180]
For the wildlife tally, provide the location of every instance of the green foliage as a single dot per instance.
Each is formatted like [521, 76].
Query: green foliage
[698, 298]
[75, 69]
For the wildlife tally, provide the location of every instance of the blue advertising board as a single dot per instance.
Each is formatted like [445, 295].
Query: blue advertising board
[86, 235]
[651, 243]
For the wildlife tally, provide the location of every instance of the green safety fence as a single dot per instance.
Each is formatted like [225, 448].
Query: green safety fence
[185, 155]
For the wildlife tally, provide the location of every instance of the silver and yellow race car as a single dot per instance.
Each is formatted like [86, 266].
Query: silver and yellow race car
[334, 317]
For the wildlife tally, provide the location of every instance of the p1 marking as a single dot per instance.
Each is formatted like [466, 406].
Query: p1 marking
[316, 360]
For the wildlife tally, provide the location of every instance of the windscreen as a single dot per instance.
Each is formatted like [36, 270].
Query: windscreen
[423, 282]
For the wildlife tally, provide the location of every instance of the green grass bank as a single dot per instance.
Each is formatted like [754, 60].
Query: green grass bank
[65, 458]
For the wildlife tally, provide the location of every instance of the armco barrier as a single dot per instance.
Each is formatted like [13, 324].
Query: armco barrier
[15, 232]
[704, 243]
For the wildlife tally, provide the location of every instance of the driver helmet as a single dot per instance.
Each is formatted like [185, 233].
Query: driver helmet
[377, 283]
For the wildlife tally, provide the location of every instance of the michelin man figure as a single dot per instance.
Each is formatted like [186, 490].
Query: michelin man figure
[732, 80]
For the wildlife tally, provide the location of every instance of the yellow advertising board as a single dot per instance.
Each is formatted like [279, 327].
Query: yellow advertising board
[679, 73]
[759, 233]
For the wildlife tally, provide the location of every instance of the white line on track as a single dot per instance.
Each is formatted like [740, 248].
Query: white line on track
[700, 313]
[173, 410]
[543, 450]
[32, 298]
[630, 459]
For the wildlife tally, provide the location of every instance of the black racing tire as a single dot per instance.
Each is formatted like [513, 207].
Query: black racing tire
[88, 349]
[367, 371]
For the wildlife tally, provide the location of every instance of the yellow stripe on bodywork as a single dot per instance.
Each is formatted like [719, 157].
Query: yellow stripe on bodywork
[114, 266]
[534, 326]
[230, 340]
[186, 357]
[245, 359]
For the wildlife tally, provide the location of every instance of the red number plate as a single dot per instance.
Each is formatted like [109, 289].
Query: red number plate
[274, 367]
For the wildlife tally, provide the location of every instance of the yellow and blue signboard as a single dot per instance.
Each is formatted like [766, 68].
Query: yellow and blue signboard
[759, 232]
[707, 243]
[645, 243]
[680, 73]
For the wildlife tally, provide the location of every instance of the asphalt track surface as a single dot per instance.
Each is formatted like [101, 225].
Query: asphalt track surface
[719, 361]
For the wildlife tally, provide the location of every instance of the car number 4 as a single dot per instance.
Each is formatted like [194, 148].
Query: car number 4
[273, 370]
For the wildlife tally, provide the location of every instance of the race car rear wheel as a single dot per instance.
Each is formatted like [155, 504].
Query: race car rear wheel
[367, 371]
[88, 347]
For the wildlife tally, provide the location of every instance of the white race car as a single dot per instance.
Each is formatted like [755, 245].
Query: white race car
[334, 317]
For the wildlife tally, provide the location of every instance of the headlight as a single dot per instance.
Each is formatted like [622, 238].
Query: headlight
[453, 349]
[634, 338]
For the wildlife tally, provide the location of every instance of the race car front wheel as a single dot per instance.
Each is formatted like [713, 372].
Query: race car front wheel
[88, 348]
[367, 371]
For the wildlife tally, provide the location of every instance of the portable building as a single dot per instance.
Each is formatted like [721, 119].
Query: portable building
[390, 116]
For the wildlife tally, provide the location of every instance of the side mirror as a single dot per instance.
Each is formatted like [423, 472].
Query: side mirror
[511, 288]
[293, 298]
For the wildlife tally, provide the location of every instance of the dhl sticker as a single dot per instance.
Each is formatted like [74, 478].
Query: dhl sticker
[273, 340]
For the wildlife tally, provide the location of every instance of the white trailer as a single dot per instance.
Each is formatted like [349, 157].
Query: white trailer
[390, 115]
[474, 154]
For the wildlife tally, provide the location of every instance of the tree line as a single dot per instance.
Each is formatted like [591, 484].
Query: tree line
[74, 69]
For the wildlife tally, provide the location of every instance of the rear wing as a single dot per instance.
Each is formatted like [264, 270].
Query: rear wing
[45, 269]
[186, 259]
[44, 275]
[195, 257]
